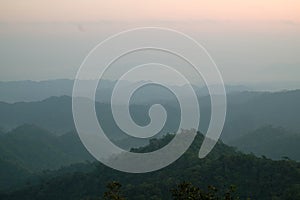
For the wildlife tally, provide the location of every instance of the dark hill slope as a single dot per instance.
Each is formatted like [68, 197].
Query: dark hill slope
[36, 149]
[257, 178]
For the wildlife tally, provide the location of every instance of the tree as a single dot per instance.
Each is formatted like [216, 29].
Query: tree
[187, 191]
[113, 191]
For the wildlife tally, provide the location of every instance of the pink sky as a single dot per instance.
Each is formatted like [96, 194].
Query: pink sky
[137, 10]
[50, 38]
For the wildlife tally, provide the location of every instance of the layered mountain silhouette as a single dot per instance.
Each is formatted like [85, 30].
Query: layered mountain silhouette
[16, 91]
[246, 112]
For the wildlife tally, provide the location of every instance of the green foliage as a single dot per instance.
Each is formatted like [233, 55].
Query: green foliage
[183, 191]
[187, 191]
[255, 178]
[114, 191]
[28, 150]
[36, 149]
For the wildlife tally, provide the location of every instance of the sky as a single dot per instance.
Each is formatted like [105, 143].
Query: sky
[250, 41]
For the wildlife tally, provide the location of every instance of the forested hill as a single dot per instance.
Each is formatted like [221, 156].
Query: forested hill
[255, 178]
[272, 142]
[36, 149]
[28, 150]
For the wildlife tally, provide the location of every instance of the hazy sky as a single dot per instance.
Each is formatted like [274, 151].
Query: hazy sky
[251, 41]
[91, 10]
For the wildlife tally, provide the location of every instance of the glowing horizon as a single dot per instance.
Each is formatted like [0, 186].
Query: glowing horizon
[169, 10]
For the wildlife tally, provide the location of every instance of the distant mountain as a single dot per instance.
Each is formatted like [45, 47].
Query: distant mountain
[35, 149]
[271, 142]
[246, 112]
[267, 108]
[55, 114]
[255, 178]
[17, 91]
[26, 91]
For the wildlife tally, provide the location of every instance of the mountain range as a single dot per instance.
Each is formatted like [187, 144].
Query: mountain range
[246, 111]
[272, 142]
[27, 91]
